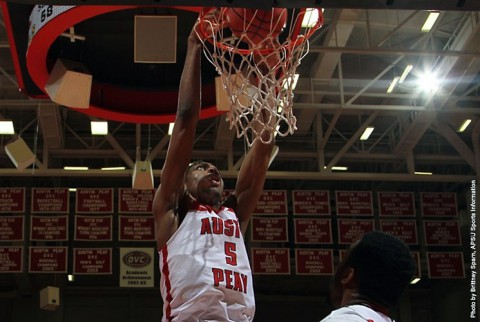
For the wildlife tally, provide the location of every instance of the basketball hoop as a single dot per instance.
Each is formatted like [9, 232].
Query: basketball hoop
[256, 54]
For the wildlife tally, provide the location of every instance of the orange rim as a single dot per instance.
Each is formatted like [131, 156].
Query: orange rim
[289, 45]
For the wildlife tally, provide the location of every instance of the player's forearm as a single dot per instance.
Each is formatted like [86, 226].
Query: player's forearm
[190, 86]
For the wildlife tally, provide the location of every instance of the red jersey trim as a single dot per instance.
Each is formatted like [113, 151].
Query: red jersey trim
[168, 286]
[198, 206]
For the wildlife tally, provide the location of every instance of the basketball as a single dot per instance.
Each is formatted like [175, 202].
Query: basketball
[258, 25]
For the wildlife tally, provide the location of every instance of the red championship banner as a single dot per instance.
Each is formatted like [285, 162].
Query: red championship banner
[92, 261]
[272, 202]
[272, 261]
[445, 265]
[314, 261]
[49, 228]
[350, 230]
[313, 231]
[93, 228]
[441, 233]
[136, 228]
[406, 230]
[50, 200]
[354, 203]
[11, 259]
[12, 200]
[440, 204]
[95, 200]
[135, 200]
[269, 229]
[310, 202]
[396, 204]
[47, 260]
[418, 268]
[11, 228]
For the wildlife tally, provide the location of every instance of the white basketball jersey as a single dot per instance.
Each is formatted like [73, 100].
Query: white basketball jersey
[205, 272]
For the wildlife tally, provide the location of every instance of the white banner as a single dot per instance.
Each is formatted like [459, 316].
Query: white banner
[41, 15]
[136, 267]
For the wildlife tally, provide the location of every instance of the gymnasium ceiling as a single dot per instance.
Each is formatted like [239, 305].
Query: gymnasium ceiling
[342, 89]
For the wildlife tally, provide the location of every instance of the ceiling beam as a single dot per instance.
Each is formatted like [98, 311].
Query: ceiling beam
[351, 141]
[121, 152]
[271, 175]
[457, 143]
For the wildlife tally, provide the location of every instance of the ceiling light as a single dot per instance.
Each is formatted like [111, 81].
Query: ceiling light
[338, 168]
[428, 82]
[6, 127]
[112, 168]
[71, 277]
[277, 128]
[310, 18]
[393, 84]
[366, 133]
[170, 128]
[69, 168]
[423, 173]
[291, 82]
[274, 153]
[99, 127]
[432, 17]
[464, 125]
[415, 280]
[405, 73]
[280, 107]
[72, 189]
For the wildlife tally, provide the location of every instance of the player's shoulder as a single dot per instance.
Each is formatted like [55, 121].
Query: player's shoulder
[230, 202]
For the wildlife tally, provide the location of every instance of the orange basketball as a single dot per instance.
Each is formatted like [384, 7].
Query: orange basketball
[257, 24]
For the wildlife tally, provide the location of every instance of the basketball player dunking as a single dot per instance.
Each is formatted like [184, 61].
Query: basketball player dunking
[205, 272]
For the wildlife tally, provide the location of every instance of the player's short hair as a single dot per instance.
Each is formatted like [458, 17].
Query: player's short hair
[193, 163]
[383, 267]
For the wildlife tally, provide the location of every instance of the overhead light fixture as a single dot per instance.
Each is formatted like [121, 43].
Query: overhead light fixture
[464, 125]
[71, 277]
[338, 168]
[310, 18]
[432, 17]
[6, 127]
[393, 84]
[415, 280]
[291, 82]
[273, 155]
[405, 73]
[112, 168]
[423, 173]
[72, 189]
[428, 82]
[277, 128]
[280, 107]
[70, 168]
[170, 128]
[366, 133]
[99, 127]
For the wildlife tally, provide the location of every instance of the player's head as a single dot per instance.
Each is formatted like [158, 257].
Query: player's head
[379, 267]
[204, 182]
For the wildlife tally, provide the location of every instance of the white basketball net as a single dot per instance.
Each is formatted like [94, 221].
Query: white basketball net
[258, 77]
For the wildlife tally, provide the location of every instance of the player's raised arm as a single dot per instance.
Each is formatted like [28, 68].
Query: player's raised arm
[181, 144]
[253, 171]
